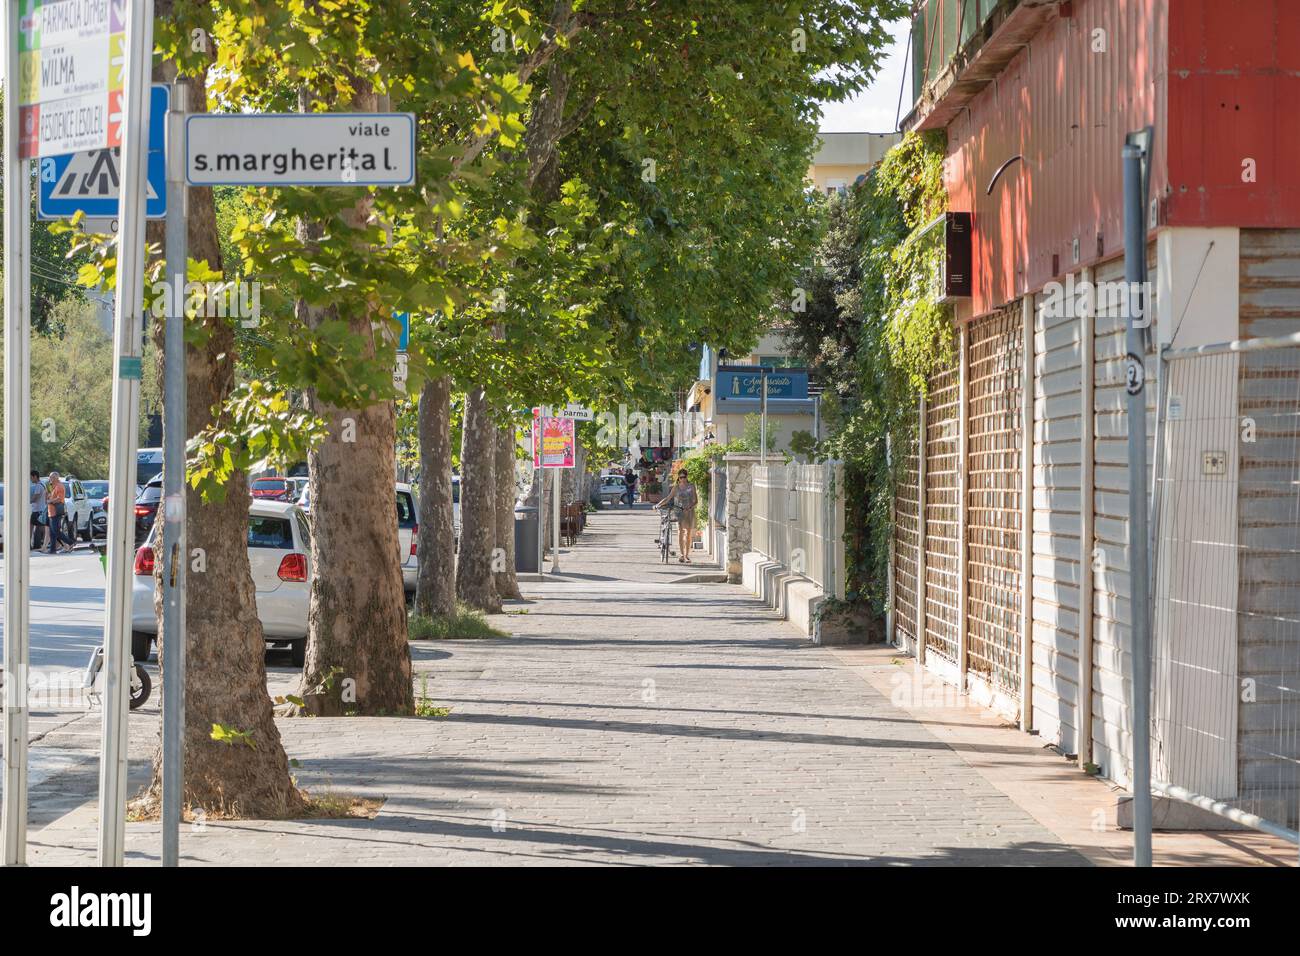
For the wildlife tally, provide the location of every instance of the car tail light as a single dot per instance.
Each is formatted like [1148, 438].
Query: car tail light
[293, 567]
[142, 511]
[415, 536]
[144, 561]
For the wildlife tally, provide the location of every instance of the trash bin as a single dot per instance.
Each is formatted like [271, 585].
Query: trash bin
[526, 539]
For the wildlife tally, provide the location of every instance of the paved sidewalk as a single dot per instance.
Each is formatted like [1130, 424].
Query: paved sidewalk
[629, 720]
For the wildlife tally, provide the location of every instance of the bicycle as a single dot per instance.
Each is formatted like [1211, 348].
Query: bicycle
[665, 534]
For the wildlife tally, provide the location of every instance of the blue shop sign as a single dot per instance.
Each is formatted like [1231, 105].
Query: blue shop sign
[781, 383]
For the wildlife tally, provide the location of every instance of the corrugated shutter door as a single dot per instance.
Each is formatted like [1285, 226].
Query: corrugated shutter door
[1058, 478]
[993, 500]
[1112, 655]
[941, 505]
[907, 525]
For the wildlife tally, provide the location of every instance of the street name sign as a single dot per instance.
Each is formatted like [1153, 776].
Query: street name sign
[577, 413]
[72, 70]
[90, 182]
[300, 149]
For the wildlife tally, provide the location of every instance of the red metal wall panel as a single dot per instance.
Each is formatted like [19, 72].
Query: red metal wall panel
[1065, 105]
[1234, 87]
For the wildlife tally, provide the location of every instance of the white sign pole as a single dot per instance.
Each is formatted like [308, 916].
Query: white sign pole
[17, 442]
[127, 349]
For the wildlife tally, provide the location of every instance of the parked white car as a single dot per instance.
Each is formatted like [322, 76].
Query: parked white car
[408, 533]
[612, 489]
[279, 555]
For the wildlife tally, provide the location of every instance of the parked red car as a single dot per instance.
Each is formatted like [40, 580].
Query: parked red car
[272, 489]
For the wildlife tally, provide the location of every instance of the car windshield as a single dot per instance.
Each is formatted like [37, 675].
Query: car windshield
[269, 484]
[96, 489]
[151, 493]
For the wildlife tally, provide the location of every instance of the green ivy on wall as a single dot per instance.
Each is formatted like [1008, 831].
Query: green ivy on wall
[873, 333]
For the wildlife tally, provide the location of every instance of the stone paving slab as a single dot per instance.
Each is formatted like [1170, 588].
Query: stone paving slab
[630, 721]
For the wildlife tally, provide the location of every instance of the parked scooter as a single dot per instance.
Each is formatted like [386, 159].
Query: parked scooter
[141, 685]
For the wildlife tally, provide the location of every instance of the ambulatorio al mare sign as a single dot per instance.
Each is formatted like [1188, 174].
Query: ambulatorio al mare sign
[71, 72]
[300, 149]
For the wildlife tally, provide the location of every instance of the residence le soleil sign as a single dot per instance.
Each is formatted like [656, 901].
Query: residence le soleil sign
[300, 149]
[72, 68]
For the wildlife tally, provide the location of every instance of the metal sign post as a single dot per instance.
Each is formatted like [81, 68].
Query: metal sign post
[127, 348]
[541, 488]
[174, 436]
[1135, 270]
[555, 513]
[17, 442]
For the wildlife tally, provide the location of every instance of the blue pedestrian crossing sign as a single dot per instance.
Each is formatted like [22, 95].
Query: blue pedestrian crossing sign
[404, 340]
[90, 182]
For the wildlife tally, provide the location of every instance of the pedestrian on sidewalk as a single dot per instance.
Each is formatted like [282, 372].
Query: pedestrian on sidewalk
[36, 493]
[629, 482]
[57, 495]
[682, 499]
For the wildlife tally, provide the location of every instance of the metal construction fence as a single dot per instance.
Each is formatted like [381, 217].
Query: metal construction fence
[1225, 695]
[798, 520]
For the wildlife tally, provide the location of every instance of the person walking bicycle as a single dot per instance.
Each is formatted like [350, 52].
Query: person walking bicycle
[682, 500]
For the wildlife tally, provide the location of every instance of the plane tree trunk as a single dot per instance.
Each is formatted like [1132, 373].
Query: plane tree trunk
[358, 660]
[478, 497]
[225, 673]
[435, 593]
[507, 582]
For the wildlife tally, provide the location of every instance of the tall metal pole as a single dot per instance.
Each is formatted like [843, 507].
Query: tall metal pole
[17, 442]
[174, 435]
[555, 514]
[541, 494]
[1135, 265]
[127, 349]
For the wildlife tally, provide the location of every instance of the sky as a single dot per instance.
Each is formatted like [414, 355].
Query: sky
[874, 109]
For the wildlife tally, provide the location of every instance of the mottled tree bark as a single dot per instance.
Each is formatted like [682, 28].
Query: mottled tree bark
[507, 582]
[358, 657]
[436, 585]
[225, 673]
[478, 523]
